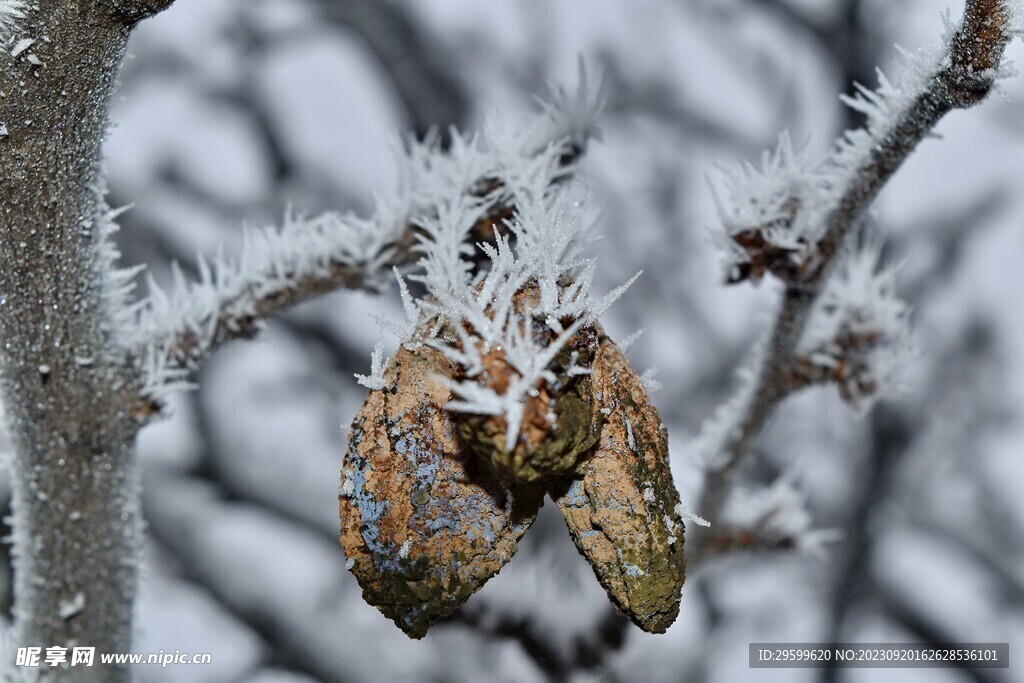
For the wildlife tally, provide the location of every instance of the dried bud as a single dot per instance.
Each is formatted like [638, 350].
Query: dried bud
[621, 505]
[858, 333]
[847, 362]
[771, 248]
[422, 525]
[766, 225]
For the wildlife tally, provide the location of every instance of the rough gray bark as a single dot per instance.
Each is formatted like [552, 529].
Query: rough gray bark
[76, 526]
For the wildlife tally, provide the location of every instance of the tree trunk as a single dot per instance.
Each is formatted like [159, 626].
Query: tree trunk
[76, 519]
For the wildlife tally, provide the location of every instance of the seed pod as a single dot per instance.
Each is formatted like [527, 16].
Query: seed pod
[422, 524]
[621, 506]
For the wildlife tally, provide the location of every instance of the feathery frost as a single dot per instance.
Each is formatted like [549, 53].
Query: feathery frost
[766, 222]
[776, 215]
[571, 116]
[466, 312]
[10, 12]
[859, 329]
[709, 447]
[442, 195]
[1015, 10]
[542, 249]
[778, 512]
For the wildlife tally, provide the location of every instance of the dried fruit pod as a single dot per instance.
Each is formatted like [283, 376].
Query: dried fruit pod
[422, 525]
[621, 506]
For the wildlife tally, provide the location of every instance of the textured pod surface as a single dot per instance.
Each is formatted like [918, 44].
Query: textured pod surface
[422, 525]
[620, 507]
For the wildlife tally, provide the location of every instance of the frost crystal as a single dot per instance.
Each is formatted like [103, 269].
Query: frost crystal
[628, 342]
[779, 512]
[72, 607]
[1015, 8]
[777, 214]
[572, 116]
[444, 197]
[688, 515]
[650, 380]
[542, 250]
[766, 226]
[858, 333]
[709, 446]
[10, 12]
[375, 380]
[531, 229]
[21, 46]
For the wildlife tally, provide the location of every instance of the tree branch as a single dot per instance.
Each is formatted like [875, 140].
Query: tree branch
[279, 269]
[75, 509]
[863, 163]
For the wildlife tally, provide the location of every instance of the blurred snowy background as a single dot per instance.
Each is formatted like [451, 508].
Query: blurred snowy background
[232, 110]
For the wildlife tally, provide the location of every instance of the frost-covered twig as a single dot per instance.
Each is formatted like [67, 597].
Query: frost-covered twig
[792, 220]
[472, 185]
[772, 518]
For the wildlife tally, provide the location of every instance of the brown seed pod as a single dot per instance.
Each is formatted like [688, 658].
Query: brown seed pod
[422, 524]
[621, 506]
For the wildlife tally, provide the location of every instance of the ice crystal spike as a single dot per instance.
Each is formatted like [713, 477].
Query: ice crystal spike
[621, 506]
[423, 526]
[10, 12]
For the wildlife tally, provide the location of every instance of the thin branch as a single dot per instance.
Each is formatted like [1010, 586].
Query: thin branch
[279, 269]
[864, 162]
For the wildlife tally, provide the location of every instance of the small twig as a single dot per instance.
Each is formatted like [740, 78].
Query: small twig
[962, 80]
[309, 258]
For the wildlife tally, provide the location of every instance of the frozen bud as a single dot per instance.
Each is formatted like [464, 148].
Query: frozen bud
[858, 334]
[423, 524]
[766, 225]
[621, 505]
